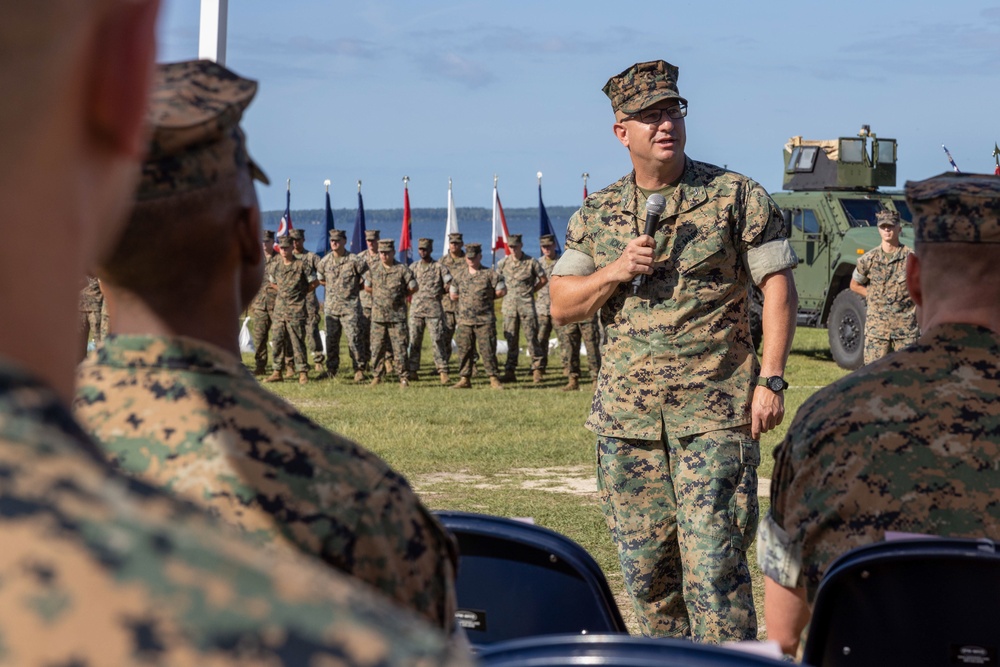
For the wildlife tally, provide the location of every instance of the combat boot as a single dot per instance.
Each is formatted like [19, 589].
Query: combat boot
[375, 382]
[495, 382]
[276, 376]
[463, 383]
[444, 377]
[536, 376]
[404, 383]
[508, 376]
[359, 376]
[259, 370]
[303, 377]
[319, 367]
[573, 384]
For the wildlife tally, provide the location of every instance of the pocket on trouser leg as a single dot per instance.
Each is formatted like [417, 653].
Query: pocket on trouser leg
[746, 507]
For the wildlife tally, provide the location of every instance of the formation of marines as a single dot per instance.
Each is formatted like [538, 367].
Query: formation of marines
[384, 309]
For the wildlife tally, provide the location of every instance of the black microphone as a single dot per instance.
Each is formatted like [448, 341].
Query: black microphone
[655, 206]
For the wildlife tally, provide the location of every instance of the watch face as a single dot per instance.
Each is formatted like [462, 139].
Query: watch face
[775, 383]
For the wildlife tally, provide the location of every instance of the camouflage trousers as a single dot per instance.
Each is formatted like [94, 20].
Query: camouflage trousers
[877, 347]
[365, 335]
[448, 322]
[513, 323]
[386, 335]
[261, 327]
[542, 339]
[572, 335]
[92, 325]
[682, 513]
[314, 341]
[335, 326]
[466, 338]
[290, 333]
[436, 325]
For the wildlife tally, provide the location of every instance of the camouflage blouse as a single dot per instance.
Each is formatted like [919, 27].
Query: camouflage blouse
[543, 302]
[293, 282]
[390, 287]
[909, 443]
[189, 417]
[454, 265]
[476, 293]
[678, 355]
[432, 279]
[520, 276]
[99, 569]
[342, 278]
[890, 310]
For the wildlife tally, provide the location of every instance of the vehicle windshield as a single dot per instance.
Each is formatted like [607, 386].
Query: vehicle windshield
[904, 210]
[861, 212]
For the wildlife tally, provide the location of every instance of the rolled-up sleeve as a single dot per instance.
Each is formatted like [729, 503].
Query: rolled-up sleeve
[770, 257]
[777, 555]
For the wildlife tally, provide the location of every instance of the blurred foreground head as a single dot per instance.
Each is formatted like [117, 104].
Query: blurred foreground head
[75, 76]
[196, 218]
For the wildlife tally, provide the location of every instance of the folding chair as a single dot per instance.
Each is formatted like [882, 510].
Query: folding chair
[614, 651]
[518, 580]
[912, 602]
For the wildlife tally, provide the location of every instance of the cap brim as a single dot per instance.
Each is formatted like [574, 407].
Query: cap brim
[649, 100]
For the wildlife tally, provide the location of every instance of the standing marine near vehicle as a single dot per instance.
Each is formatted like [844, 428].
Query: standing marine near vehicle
[523, 276]
[880, 277]
[342, 275]
[262, 308]
[426, 311]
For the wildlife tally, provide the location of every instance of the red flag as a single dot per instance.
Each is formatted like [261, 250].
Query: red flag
[584, 189]
[500, 233]
[405, 253]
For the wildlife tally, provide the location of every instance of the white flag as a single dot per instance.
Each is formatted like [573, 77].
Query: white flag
[451, 227]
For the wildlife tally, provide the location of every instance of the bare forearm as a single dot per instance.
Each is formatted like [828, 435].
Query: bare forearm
[577, 298]
[786, 614]
[781, 304]
[859, 288]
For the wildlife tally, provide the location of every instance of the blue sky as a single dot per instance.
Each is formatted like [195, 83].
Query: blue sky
[378, 89]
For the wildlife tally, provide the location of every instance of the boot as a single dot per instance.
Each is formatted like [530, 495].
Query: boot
[463, 383]
[325, 375]
[375, 381]
[303, 377]
[573, 384]
[388, 365]
[259, 370]
[536, 376]
[444, 377]
[412, 376]
[508, 376]
[276, 376]
[403, 383]
[359, 376]
[495, 382]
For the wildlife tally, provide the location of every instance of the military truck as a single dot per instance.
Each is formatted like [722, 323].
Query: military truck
[830, 198]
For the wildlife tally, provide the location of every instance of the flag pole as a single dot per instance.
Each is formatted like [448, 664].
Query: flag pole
[493, 241]
[585, 176]
[327, 184]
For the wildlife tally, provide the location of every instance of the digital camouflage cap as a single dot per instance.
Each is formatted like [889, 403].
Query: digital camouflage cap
[643, 85]
[454, 237]
[473, 249]
[297, 234]
[547, 240]
[425, 244]
[955, 208]
[268, 236]
[514, 239]
[285, 241]
[372, 235]
[338, 235]
[194, 112]
[886, 217]
[386, 245]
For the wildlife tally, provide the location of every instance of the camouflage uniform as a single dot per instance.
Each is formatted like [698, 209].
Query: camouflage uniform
[342, 278]
[908, 443]
[543, 305]
[390, 286]
[91, 308]
[891, 319]
[588, 334]
[262, 312]
[475, 319]
[677, 468]
[186, 416]
[426, 312]
[293, 282]
[100, 569]
[371, 260]
[518, 308]
[454, 265]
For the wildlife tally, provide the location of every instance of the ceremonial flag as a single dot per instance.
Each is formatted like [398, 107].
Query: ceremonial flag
[324, 243]
[499, 223]
[950, 160]
[405, 252]
[451, 226]
[358, 235]
[544, 224]
[585, 176]
[285, 225]
[996, 156]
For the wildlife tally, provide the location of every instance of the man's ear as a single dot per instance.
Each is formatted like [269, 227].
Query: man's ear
[622, 133]
[119, 83]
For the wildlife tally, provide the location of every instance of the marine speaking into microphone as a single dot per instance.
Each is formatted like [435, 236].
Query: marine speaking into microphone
[655, 206]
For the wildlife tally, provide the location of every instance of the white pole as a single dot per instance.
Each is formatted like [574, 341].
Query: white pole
[212, 36]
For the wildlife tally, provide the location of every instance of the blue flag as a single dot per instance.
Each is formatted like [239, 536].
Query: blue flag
[324, 243]
[358, 235]
[544, 224]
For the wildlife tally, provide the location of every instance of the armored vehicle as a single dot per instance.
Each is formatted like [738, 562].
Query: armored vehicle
[830, 198]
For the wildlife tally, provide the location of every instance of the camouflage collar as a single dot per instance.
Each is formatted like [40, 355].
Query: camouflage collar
[690, 192]
[174, 352]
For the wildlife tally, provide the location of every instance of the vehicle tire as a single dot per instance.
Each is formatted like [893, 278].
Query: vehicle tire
[755, 304]
[846, 329]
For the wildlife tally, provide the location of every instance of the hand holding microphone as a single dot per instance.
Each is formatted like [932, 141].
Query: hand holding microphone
[655, 206]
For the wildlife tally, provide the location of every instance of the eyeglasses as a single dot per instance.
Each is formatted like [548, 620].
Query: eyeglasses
[655, 115]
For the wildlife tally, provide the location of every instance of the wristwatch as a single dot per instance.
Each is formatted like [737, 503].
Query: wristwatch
[775, 383]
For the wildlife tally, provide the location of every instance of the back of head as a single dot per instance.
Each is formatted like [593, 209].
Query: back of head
[956, 219]
[196, 184]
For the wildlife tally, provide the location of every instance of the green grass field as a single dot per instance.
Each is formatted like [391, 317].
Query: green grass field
[521, 452]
